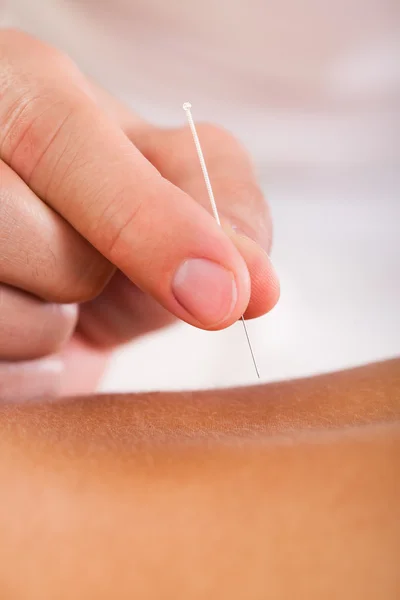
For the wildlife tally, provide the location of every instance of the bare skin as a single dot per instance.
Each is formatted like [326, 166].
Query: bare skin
[108, 214]
[281, 491]
[288, 490]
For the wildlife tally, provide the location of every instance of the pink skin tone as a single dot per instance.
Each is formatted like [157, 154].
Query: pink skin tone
[104, 212]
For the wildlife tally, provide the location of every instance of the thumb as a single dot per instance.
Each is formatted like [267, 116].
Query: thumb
[242, 208]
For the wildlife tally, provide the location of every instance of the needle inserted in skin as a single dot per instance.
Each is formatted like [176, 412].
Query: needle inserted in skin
[186, 107]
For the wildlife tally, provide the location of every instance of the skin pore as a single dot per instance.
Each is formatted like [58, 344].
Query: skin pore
[288, 490]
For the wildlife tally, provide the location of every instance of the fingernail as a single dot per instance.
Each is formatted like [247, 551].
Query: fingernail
[261, 236]
[30, 380]
[206, 290]
[69, 310]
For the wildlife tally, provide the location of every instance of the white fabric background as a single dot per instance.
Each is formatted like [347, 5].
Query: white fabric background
[312, 88]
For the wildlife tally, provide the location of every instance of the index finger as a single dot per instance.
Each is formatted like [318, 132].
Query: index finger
[242, 207]
[74, 157]
[241, 204]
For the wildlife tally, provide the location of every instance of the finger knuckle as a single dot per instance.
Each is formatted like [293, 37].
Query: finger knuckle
[59, 321]
[36, 104]
[86, 287]
[70, 278]
[11, 35]
[16, 44]
[31, 127]
[220, 147]
[216, 135]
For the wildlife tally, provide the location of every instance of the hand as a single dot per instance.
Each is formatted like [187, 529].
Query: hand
[92, 194]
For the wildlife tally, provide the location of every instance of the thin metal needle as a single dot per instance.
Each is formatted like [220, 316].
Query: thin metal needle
[250, 347]
[186, 107]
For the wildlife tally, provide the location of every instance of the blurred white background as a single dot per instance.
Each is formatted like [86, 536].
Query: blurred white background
[312, 88]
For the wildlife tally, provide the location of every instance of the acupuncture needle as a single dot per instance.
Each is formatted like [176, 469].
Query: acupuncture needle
[187, 108]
